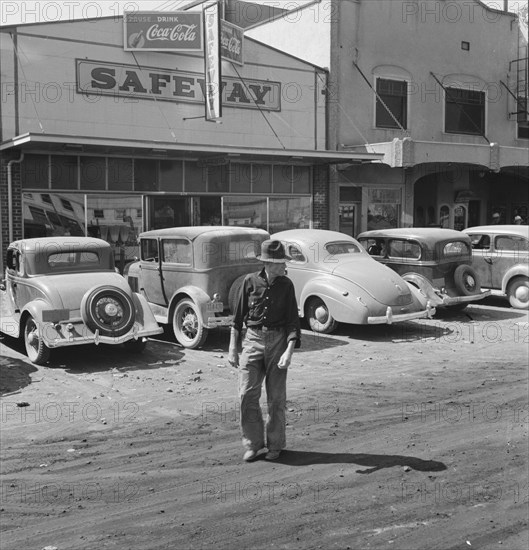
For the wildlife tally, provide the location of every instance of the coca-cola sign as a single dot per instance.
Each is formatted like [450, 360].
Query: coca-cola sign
[231, 42]
[162, 31]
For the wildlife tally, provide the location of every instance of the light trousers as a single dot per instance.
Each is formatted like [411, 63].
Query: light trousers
[261, 351]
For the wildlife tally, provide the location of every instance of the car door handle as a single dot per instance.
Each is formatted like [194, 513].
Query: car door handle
[488, 260]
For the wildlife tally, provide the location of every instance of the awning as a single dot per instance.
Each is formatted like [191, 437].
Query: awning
[208, 154]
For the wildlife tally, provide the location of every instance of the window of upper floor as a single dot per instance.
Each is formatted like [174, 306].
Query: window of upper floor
[523, 119]
[464, 111]
[391, 109]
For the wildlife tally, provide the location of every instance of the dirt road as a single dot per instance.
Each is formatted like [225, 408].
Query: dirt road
[411, 436]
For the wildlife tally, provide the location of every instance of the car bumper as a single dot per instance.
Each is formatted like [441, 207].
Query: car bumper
[81, 334]
[223, 321]
[391, 318]
[454, 300]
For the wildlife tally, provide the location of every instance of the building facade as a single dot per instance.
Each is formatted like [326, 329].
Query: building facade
[97, 139]
[440, 89]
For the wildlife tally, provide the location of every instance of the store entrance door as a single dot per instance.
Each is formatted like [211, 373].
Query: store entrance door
[348, 218]
[169, 212]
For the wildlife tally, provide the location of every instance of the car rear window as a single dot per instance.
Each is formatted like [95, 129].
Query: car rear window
[342, 247]
[455, 249]
[78, 258]
[399, 248]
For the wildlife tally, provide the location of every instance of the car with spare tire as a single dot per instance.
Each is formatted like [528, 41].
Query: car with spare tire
[191, 276]
[437, 261]
[66, 291]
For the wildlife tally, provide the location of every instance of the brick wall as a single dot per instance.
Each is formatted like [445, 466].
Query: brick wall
[4, 205]
[320, 203]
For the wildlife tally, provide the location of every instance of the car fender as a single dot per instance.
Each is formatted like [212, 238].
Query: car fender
[515, 271]
[422, 289]
[144, 315]
[196, 294]
[341, 300]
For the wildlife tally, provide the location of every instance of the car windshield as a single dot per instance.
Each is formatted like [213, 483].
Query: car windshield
[342, 247]
[456, 249]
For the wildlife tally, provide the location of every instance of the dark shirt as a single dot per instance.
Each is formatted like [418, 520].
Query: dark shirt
[263, 305]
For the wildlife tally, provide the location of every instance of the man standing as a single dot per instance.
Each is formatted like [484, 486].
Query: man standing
[496, 218]
[267, 304]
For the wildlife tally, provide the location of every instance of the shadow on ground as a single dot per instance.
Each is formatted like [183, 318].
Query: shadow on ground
[15, 373]
[371, 462]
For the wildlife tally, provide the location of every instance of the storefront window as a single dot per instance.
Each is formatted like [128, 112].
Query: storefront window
[249, 211]
[171, 176]
[218, 179]
[53, 214]
[383, 208]
[145, 175]
[289, 213]
[301, 180]
[93, 173]
[34, 172]
[240, 178]
[64, 172]
[282, 179]
[119, 174]
[118, 220]
[261, 178]
[195, 178]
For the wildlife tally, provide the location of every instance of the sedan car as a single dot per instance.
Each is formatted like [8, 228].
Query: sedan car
[337, 281]
[190, 276]
[65, 291]
[500, 255]
[437, 261]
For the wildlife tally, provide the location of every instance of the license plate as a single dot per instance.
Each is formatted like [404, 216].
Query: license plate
[215, 307]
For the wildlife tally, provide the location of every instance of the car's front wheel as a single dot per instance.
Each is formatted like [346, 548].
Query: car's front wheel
[37, 351]
[467, 280]
[188, 327]
[319, 317]
[518, 293]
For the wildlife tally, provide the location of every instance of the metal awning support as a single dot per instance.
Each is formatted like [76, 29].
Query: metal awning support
[379, 98]
[461, 109]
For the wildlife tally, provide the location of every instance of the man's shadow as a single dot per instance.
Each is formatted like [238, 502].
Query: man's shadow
[373, 462]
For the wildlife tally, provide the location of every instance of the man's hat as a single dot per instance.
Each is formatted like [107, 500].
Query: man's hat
[517, 218]
[495, 215]
[272, 251]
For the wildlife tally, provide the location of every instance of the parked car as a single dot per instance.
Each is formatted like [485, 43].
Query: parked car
[336, 281]
[190, 276]
[500, 255]
[65, 291]
[437, 261]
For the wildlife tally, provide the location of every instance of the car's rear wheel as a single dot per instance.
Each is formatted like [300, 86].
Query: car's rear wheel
[37, 351]
[467, 280]
[188, 327]
[109, 310]
[518, 293]
[319, 317]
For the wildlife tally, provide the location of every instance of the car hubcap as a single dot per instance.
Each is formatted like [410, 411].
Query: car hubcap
[190, 324]
[471, 282]
[522, 294]
[321, 314]
[109, 311]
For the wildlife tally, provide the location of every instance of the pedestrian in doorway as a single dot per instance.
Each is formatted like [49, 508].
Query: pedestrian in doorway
[518, 220]
[496, 218]
[267, 305]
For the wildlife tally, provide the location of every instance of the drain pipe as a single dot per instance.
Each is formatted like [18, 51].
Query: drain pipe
[10, 194]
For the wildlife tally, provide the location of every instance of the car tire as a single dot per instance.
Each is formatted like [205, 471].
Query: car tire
[235, 289]
[518, 293]
[467, 280]
[319, 317]
[135, 346]
[188, 327]
[109, 310]
[37, 351]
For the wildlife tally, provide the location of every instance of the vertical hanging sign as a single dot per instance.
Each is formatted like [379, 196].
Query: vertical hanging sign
[212, 63]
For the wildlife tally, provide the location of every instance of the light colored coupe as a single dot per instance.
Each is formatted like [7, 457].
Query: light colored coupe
[336, 281]
[65, 291]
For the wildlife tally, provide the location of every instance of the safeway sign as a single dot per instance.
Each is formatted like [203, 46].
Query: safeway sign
[162, 31]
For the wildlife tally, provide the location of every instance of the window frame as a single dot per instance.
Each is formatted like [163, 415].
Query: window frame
[448, 89]
[378, 103]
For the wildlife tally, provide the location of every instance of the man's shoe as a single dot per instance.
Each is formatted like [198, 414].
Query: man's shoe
[249, 456]
[272, 455]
